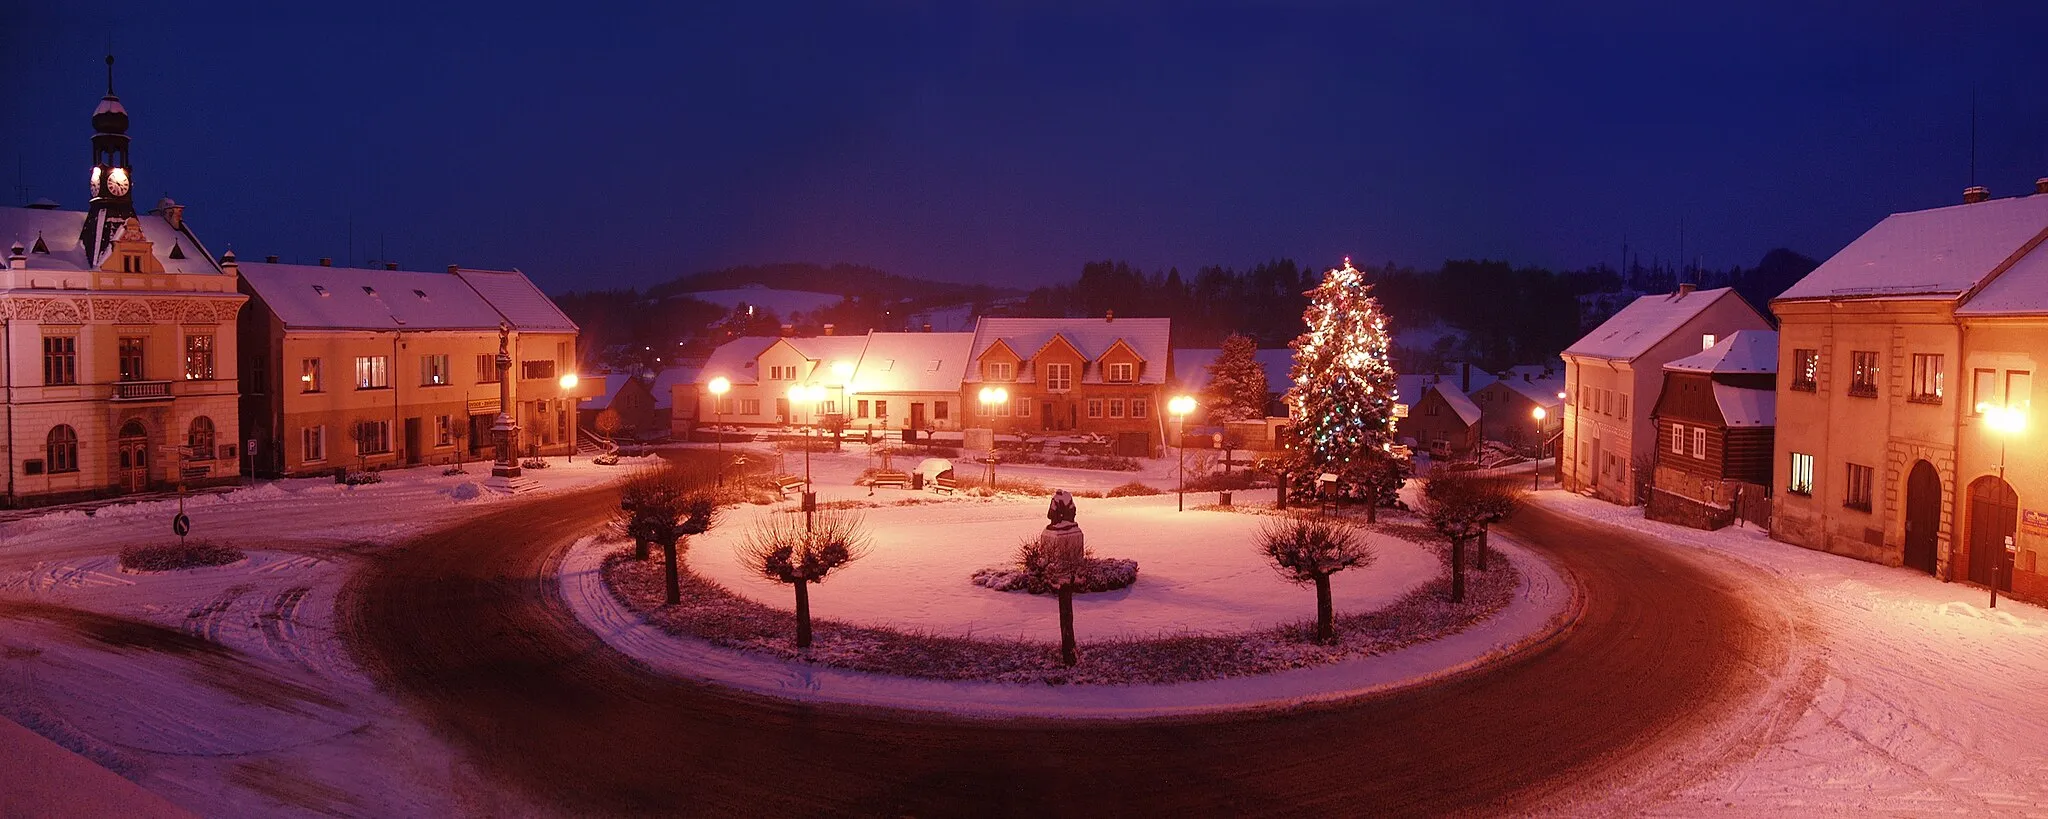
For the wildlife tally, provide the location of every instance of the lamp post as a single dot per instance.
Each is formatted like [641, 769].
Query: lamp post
[568, 385]
[843, 370]
[1536, 474]
[991, 397]
[1180, 406]
[2007, 422]
[718, 387]
[800, 393]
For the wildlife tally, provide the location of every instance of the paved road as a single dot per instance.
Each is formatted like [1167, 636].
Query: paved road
[463, 626]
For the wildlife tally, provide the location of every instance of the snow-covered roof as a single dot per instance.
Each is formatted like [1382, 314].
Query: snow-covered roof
[315, 297]
[1542, 391]
[913, 362]
[1743, 407]
[1191, 366]
[612, 384]
[1459, 401]
[734, 360]
[518, 300]
[1092, 336]
[2021, 290]
[828, 351]
[59, 231]
[1644, 322]
[665, 382]
[1938, 253]
[1743, 351]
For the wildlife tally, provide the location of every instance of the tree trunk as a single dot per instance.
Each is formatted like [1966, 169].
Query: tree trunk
[1326, 620]
[640, 548]
[675, 586]
[803, 614]
[1372, 509]
[1457, 571]
[1280, 496]
[1483, 530]
[1067, 657]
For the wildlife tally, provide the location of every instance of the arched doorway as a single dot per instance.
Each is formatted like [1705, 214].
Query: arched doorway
[1994, 516]
[1923, 516]
[134, 448]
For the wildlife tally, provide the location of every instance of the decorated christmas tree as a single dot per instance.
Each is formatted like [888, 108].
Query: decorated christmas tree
[1343, 394]
[1237, 383]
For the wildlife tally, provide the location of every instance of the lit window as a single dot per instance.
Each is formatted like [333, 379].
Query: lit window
[1799, 480]
[1805, 369]
[1863, 373]
[1858, 496]
[1000, 371]
[1927, 379]
[1706, 341]
[372, 372]
[199, 358]
[1119, 373]
[310, 379]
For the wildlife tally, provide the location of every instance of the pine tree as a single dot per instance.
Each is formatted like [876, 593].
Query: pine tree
[1343, 394]
[1237, 382]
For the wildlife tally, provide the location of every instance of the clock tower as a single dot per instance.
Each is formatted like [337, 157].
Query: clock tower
[113, 181]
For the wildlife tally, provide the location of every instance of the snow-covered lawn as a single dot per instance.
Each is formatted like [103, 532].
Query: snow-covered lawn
[1905, 695]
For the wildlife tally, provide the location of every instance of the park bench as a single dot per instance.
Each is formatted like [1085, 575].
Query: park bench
[789, 485]
[944, 484]
[894, 480]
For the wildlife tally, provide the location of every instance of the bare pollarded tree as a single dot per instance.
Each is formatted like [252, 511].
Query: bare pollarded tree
[1307, 549]
[1460, 506]
[663, 508]
[782, 548]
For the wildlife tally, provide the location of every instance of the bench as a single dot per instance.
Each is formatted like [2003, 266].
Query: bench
[790, 485]
[944, 484]
[896, 480]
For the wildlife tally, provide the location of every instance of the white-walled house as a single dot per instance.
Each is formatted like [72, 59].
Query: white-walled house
[1614, 375]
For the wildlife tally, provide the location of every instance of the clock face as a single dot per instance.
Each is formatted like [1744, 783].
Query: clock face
[96, 170]
[117, 182]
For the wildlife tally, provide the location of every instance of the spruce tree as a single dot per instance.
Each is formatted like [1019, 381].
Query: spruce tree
[1343, 394]
[1237, 383]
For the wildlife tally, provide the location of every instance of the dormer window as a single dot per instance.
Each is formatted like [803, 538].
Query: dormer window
[1118, 373]
[320, 290]
[420, 293]
[369, 291]
[1707, 341]
[1000, 371]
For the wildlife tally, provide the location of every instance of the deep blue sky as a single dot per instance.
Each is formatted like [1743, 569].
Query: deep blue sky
[1011, 142]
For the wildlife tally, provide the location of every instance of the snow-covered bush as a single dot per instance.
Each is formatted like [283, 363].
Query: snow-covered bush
[534, 463]
[1131, 490]
[358, 478]
[1098, 574]
[1224, 481]
[607, 459]
[454, 470]
[191, 554]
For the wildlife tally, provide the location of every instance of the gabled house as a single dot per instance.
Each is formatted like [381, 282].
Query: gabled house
[1105, 375]
[1716, 414]
[910, 381]
[1906, 357]
[1508, 409]
[1443, 421]
[625, 408]
[1614, 375]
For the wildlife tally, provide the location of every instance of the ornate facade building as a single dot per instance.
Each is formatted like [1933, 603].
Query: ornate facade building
[119, 331]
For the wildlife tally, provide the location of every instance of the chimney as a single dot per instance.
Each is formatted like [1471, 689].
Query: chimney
[270, 259]
[1685, 289]
[228, 264]
[1465, 378]
[452, 268]
[173, 212]
[1109, 315]
[326, 261]
[1975, 193]
[390, 265]
[17, 258]
[828, 329]
[927, 327]
[788, 330]
[2041, 185]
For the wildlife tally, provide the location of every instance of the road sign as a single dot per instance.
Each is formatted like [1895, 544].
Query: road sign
[181, 525]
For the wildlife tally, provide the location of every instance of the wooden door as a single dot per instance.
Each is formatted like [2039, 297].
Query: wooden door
[133, 446]
[1994, 515]
[412, 440]
[917, 415]
[1923, 516]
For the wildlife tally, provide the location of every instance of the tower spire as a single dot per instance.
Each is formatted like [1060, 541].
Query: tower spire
[110, 75]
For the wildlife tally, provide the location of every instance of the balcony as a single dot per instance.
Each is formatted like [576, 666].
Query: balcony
[142, 391]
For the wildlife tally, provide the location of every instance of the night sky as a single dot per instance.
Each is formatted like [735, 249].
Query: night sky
[1012, 142]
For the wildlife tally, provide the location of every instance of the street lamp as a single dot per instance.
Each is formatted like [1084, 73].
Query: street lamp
[718, 387]
[844, 371]
[798, 393]
[1536, 474]
[2007, 422]
[991, 397]
[568, 385]
[1180, 406]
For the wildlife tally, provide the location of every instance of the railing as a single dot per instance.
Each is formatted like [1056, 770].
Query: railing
[141, 390]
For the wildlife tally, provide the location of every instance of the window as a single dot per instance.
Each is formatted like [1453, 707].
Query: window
[373, 437]
[533, 370]
[721, 404]
[1805, 369]
[313, 443]
[939, 411]
[882, 409]
[444, 430]
[200, 439]
[199, 357]
[1706, 341]
[1000, 370]
[1799, 480]
[60, 360]
[1621, 405]
[860, 408]
[750, 406]
[1927, 379]
[1059, 377]
[1023, 407]
[1678, 439]
[131, 358]
[1119, 373]
[61, 449]
[1427, 409]
[1859, 488]
[310, 378]
[2019, 389]
[1001, 410]
[1983, 390]
[1863, 373]
[1699, 443]
[486, 368]
[1095, 408]
[1116, 408]
[1138, 408]
[372, 373]
[433, 370]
